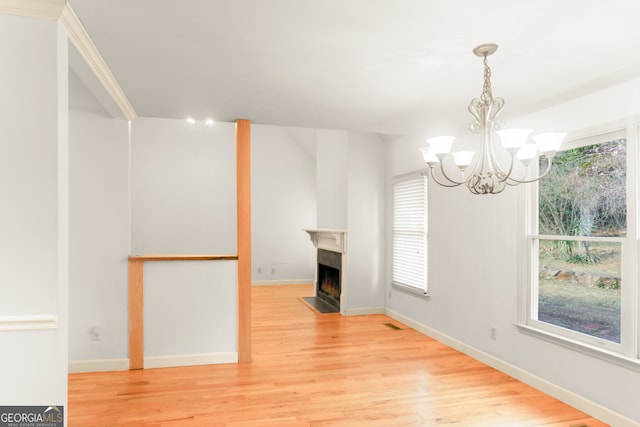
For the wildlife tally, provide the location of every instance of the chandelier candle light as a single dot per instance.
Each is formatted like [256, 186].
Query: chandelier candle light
[483, 174]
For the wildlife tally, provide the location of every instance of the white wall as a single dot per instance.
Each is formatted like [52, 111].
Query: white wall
[365, 230]
[473, 275]
[183, 187]
[190, 308]
[283, 203]
[99, 229]
[33, 219]
[332, 156]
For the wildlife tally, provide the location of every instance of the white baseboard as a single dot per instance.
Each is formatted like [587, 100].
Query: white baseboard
[105, 365]
[98, 365]
[365, 310]
[585, 405]
[190, 360]
[282, 282]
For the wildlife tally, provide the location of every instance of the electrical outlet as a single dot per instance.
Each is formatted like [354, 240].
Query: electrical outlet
[259, 270]
[493, 333]
[95, 333]
[273, 270]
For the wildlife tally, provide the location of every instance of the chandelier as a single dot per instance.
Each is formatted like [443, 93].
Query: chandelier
[486, 173]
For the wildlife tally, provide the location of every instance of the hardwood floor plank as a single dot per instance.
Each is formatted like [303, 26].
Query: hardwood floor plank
[311, 369]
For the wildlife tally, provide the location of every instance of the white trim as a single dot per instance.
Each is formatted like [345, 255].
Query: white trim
[626, 352]
[410, 233]
[424, 172]
[363, 311]
[612, 239]
[129, 188]
[633, 228]
[81, 40]
[190, 360]
[282, 282]
[411, 290]
[32, 322]
[62, 11]
[328, 238]
[63, 220]
[98, 365]
[616, 130]
[79, 66]
[585, 405]
[601, 353]
[45, 9]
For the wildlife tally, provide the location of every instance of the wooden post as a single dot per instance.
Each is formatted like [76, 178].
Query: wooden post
[136, 314]
[243, 191]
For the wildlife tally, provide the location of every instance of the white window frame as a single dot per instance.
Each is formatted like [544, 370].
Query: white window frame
[415, 281]
[627, 353]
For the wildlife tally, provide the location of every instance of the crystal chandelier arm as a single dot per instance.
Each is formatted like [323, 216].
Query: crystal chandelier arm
[512, 181]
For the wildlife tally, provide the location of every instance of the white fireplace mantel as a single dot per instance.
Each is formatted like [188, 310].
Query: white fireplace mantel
[335, 241]
[329, 239]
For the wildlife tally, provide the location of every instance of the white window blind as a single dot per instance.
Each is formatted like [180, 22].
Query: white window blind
[410, 233]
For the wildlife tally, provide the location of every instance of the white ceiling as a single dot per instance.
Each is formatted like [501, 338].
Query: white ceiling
[397, 67]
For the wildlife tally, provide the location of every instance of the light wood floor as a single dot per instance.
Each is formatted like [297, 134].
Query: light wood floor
[313, 369]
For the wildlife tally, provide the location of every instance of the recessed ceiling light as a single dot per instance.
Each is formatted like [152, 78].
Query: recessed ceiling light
[191, 120]
[208, 122]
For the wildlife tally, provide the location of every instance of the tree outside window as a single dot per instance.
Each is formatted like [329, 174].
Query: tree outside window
[582, 217]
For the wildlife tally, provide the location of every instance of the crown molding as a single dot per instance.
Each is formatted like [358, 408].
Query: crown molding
[81, 40]
[61, 10]
[45, 9]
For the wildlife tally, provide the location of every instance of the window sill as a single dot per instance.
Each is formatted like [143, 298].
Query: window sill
[589, 350]
[410, 290]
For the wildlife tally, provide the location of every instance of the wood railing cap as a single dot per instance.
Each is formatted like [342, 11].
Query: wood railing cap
[183, 257]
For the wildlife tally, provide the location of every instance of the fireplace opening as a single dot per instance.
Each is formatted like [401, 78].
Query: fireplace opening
[329, 278]
[329, 295]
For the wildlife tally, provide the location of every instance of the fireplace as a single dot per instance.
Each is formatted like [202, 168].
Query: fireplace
[328, 287]
[330, 281]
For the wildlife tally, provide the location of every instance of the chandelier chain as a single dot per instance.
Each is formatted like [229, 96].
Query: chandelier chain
[487, 94]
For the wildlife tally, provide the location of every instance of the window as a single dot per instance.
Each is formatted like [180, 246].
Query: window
[581, 253]
[409, 260]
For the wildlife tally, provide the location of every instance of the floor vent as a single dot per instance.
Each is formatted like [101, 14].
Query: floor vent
[392, 326]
